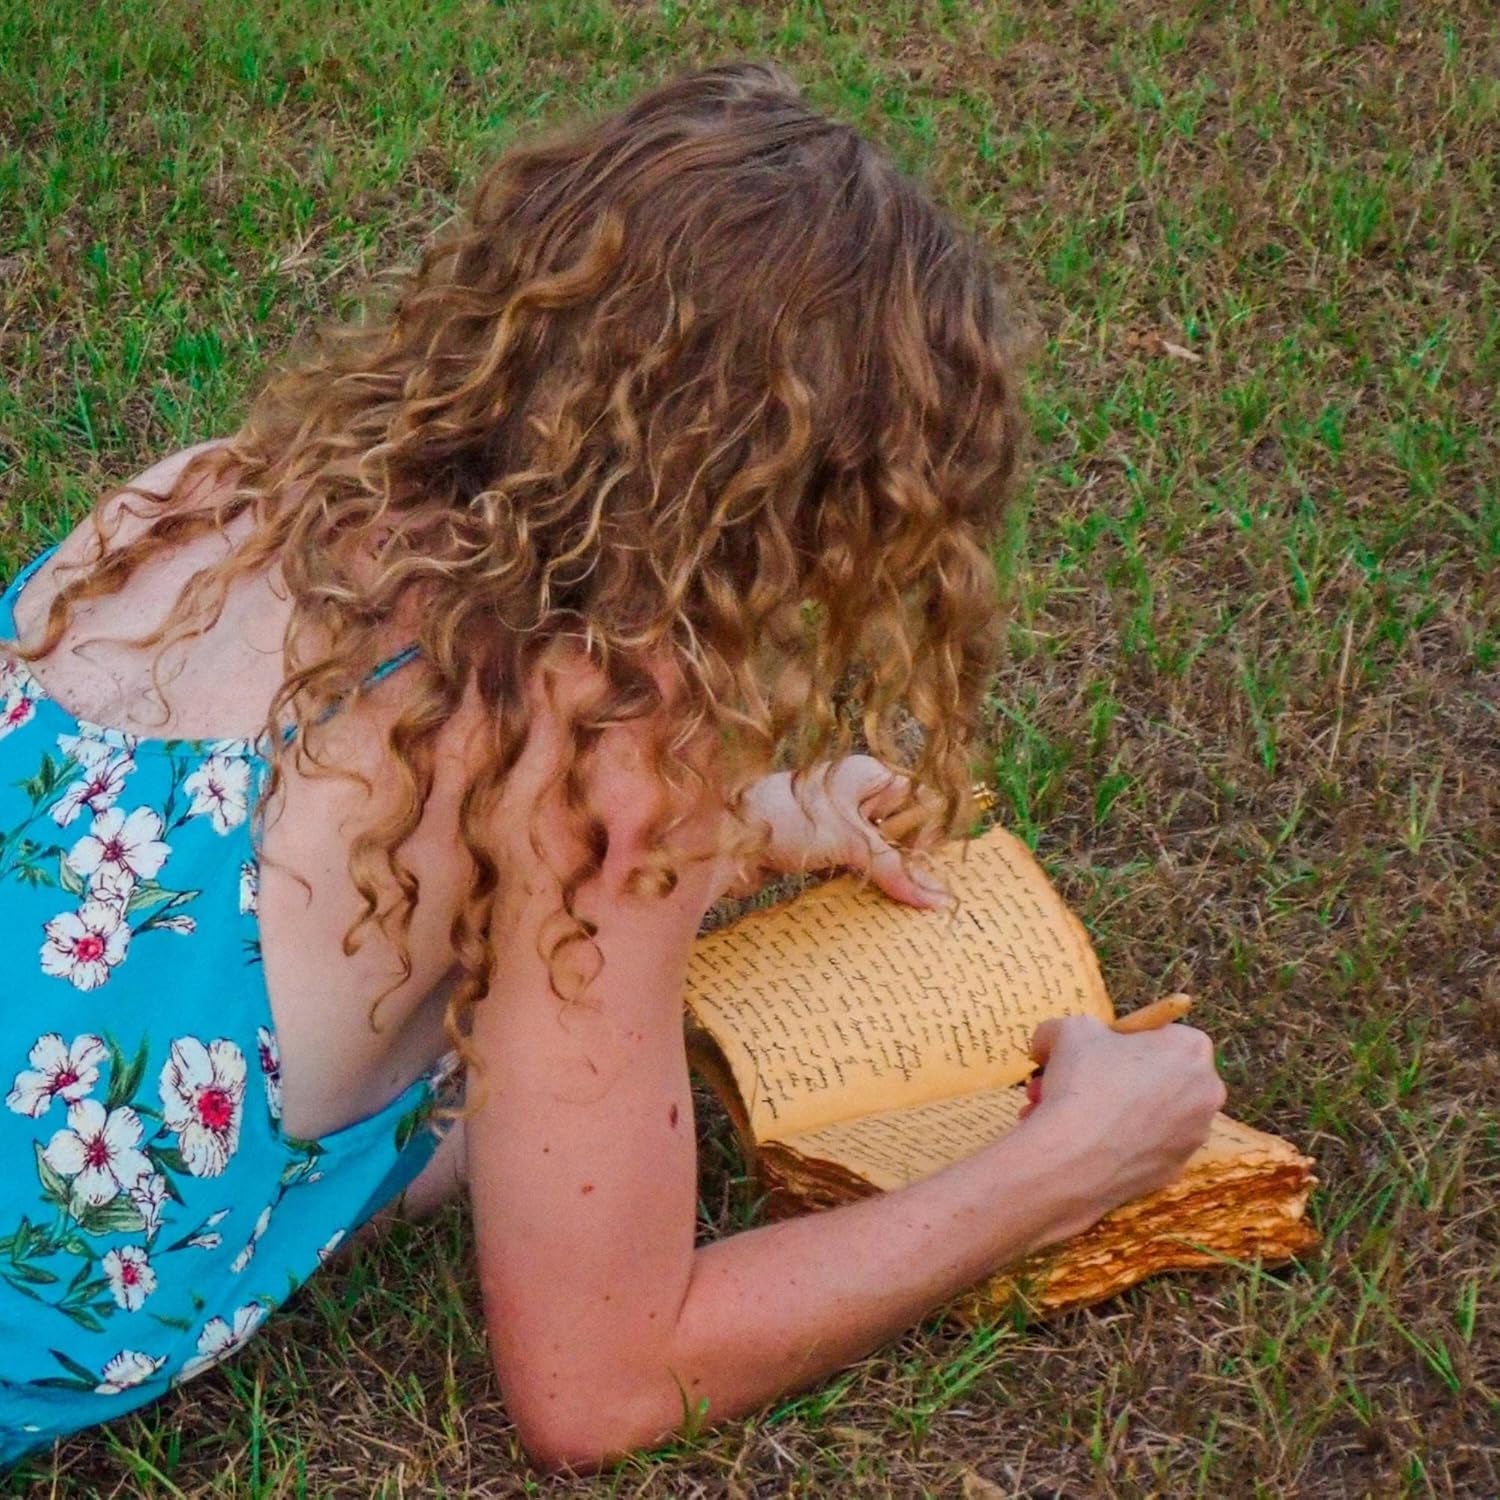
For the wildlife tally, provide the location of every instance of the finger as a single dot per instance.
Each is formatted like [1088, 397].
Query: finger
[1033, 1093]
[901, 880]
[1044, 1039]
[877, 790]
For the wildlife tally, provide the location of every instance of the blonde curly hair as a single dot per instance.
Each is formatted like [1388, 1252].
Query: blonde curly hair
[708, 381]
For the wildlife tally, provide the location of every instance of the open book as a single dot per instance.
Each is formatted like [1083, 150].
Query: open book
[859, 1045]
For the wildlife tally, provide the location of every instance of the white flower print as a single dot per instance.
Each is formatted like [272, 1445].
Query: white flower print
[249, 889]
[220, 788]
[243, 1258]
[131, 1278]
[98, 789]
[117, 845]
[176, 923]
[98, 1150]
[327, 1252]
[202, 1095]
[84, 750]
[232, 749]
[270, 1066]
[445, 1072]
[220, 1339]
[83, 946]
[300, 1172]
[58, 1071]
[207, 1237]
[17, 710]
[16, 679]
[127, 1368]
[149, 1195]
[112, 886]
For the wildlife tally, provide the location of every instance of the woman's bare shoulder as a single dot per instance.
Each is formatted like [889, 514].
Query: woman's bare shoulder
[119, 514]
[163, 474]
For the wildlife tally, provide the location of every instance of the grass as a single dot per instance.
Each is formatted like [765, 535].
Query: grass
[1248, 718]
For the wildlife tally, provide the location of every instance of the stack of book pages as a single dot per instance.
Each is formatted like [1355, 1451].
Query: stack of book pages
[859, 1045]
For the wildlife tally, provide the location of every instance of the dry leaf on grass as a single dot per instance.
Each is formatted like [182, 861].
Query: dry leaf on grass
[977, 1487]
[1154, 342]
[858, 1436]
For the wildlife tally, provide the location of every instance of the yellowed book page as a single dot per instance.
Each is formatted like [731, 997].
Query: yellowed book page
[843, 1002]
[901, 1146]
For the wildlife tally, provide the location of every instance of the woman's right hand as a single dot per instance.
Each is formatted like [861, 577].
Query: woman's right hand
[1126, 1111]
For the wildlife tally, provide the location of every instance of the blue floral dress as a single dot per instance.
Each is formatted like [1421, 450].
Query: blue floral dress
[153, 1210]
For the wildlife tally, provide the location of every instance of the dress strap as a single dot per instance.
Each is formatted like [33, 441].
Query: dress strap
[392, 664]
[13, 592]
[387, 668]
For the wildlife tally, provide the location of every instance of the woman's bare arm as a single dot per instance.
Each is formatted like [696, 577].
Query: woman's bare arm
[607, 1327]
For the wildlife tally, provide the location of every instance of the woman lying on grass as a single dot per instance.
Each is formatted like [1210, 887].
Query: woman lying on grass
[444, 699]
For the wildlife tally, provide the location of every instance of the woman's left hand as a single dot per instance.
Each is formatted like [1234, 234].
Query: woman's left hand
[838, 827]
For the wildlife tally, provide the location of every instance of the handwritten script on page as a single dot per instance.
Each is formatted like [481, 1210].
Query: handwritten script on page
[844, 1003]
[900, 1146]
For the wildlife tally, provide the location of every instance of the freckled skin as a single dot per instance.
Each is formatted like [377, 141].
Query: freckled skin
[749, 1316]
[672, 1117]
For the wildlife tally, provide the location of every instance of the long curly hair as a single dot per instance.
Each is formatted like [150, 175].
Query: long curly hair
[707, 382]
